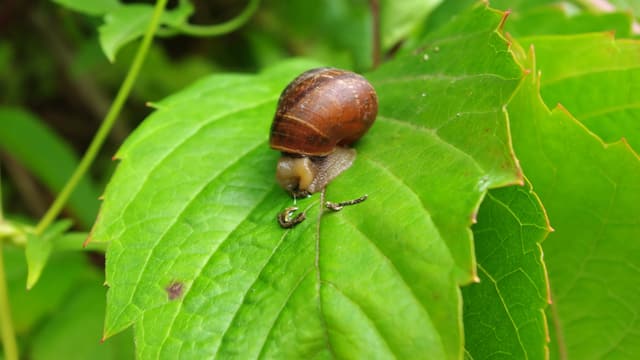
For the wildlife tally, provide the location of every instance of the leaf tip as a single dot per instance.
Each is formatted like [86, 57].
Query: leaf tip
[505, 15]
[32, 277]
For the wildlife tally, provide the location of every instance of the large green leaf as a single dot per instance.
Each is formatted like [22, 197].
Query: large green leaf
[197, 261]
[591, 192]
[48, 157]
[504, 312]
[596, 78]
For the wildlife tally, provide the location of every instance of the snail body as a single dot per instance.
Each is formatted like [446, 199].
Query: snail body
[319, 115]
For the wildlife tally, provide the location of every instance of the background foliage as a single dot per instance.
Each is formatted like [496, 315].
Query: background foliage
[502, 136]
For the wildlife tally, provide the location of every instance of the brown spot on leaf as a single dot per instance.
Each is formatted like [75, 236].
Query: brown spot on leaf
[174, 290]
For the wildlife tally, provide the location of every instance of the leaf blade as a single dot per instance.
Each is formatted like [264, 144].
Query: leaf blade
[504, 312]
[561, 157]
[596, 61]
[192, 248]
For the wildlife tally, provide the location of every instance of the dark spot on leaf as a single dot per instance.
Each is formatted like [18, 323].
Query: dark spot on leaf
[174, 290]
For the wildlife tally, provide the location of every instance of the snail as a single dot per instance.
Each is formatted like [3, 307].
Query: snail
[319, 115]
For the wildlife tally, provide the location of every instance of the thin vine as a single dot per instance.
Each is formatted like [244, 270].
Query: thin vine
[223, 28]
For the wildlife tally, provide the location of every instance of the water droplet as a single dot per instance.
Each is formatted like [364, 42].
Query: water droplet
[425, 57]
[423, 94]
[436, 49]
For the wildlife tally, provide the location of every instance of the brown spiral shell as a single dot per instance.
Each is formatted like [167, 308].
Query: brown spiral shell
[321, 109]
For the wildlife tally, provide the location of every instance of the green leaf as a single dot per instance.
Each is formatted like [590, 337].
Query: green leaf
[129, 22]
[92, 7]
[39, 248]
[504, 312]
[596, 78]
[556, 19]
[398, 19]
[198, 262]
[48, 157]
[591, 192]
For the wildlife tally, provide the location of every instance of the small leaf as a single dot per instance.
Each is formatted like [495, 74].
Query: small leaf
[93, 7]
[26, 138]
[39, 248]
[129, 22]
[198, 262]
[584, 66]
[591, 192]
[504, 312]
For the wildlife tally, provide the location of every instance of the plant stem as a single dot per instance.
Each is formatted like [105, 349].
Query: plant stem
[6, 326]
[224, 28]
[107, 124]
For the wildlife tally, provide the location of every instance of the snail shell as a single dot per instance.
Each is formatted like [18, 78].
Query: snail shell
[319, 114]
